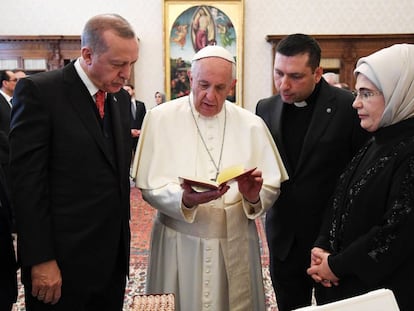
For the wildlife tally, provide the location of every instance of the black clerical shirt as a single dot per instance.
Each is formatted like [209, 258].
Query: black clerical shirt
[295, 124]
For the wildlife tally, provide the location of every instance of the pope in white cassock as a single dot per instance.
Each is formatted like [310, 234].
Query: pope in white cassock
[205, 246]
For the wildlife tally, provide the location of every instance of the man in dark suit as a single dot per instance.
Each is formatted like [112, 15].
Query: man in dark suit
[317, 132]
[70, 174]
[8, 265]
[138, 112]
[7, 84]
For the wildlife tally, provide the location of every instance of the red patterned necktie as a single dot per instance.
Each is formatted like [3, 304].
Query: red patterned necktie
[100, 102]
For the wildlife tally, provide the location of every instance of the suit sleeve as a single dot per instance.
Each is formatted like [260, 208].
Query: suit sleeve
[29, 154]
[142, 113]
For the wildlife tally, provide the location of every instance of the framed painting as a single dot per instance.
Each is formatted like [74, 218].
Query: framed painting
[189, 26]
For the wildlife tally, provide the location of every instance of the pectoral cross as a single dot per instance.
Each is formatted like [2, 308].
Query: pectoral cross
[215, 179]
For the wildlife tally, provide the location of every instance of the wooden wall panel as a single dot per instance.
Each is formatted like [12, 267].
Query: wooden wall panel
[56, 50]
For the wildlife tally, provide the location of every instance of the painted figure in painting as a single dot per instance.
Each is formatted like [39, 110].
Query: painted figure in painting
[203, 29]
[226, 38]
[193, 29]
[181, 34]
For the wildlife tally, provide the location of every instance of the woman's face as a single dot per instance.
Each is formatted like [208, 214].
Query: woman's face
[369, 103]
[158, 98]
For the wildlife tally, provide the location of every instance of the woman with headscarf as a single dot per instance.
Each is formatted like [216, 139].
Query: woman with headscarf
[159, 98]
[366, 242]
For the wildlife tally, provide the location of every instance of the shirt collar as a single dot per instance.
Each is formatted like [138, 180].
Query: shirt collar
[85, 79]
[7, 97]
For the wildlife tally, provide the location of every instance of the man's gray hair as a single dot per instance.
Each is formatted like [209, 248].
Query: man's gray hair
[92, 34]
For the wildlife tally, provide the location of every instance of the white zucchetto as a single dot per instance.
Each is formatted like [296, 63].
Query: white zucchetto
[214, 51]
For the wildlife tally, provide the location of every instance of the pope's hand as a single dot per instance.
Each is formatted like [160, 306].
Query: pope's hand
[192, 198]
[250, 185]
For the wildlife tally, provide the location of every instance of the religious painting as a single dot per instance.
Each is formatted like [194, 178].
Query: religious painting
[191, 25]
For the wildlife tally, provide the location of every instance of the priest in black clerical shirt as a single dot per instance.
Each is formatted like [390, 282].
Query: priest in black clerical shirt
[317, 133]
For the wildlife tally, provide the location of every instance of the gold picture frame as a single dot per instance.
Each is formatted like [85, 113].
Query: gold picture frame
[188, 26]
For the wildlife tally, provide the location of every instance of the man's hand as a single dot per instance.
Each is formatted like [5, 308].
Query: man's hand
[135, 133]
[46, 282]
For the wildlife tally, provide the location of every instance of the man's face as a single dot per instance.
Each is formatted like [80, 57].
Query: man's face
[211, 81]
[110, 70]
[9, 85]
[294, 78]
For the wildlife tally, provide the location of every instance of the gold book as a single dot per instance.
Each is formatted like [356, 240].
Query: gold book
[225, 176]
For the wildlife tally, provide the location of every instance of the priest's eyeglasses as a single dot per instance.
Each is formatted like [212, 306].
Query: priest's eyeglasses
[365, 94]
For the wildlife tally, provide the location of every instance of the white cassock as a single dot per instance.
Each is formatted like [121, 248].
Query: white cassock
[208, 256]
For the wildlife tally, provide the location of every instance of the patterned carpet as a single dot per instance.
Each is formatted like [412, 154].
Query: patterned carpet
[141, 222]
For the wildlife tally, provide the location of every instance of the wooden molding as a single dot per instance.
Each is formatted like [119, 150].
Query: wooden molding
[56, 50]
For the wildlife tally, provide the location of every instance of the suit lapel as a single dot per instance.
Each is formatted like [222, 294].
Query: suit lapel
[115, 103]
[276, 130]
[4, 105]
[79, 97]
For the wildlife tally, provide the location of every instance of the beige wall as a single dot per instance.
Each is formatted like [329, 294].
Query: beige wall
[262, 17]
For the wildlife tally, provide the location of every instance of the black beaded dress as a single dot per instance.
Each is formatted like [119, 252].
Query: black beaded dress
[369, 228]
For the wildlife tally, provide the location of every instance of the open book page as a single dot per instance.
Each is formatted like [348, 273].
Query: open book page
[376, 300]
[225, 176]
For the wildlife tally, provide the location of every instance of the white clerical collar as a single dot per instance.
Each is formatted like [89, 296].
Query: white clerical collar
[300, 104]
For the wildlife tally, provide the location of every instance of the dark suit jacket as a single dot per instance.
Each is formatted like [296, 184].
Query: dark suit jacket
[5, 111]
[8, 265]
[70, 188]
[333, 137]
[136, 121]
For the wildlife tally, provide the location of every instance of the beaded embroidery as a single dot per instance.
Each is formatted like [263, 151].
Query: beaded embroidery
[399, 209]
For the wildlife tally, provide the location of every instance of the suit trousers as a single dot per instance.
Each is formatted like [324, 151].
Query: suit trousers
[293, 286]
[109, 298]
[5, 305]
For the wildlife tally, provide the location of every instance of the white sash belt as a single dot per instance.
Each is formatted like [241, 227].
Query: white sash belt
[210, 223]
